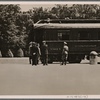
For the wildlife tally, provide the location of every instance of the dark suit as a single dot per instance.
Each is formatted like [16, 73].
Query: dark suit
[44, 54]
[34, 52]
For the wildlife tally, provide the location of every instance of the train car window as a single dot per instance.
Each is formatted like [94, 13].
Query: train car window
[38, 36]
[63, 35]
[78, 36]
[99, 36]
[88, 35]
[59, 36]
[50, 35]
[84, 35]
[93, 35]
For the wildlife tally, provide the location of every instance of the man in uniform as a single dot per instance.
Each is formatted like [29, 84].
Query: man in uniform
[44, 53]
[39, 53]
[65, 53]
[34, 53]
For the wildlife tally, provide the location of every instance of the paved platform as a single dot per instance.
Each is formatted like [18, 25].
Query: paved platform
[54, 79]
[15, 60]
[25, 60]
[22, 60]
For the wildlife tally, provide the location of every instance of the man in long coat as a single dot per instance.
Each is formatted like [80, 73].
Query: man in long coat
[44, 53]
[34, 52]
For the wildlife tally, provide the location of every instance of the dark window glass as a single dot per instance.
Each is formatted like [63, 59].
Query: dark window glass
[63, 35]
[99, 36]
[88, 35]
[84, 35]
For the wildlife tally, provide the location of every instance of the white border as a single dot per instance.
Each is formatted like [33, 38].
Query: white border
[49, 96]
[49, 2]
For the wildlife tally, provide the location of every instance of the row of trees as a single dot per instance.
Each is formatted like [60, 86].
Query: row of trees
[15, 25]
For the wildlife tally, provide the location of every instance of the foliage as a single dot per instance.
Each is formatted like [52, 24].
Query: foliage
[16, 26]
[9, 53]
[20, 53]
[79, 11]
[8, 29]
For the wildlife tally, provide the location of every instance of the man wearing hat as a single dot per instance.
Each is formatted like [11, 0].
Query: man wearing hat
[65, 53]
[44, 53]
[34, 53]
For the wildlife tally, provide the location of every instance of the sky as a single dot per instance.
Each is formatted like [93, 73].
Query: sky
[29, 5]
[26, 7]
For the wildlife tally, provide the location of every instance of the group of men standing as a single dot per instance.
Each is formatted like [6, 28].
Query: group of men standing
[35, 53]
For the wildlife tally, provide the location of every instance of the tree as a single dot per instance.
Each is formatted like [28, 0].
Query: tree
[9, 53]
[20, 53]
[24, 23]
[77, 11]
[85, 11]
[8, 29]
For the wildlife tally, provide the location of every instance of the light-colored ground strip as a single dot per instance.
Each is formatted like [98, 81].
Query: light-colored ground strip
[54, 79]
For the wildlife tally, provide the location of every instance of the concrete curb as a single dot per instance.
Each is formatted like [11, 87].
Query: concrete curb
[23, 60]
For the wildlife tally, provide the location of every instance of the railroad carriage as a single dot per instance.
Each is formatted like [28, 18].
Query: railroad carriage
[82, 36]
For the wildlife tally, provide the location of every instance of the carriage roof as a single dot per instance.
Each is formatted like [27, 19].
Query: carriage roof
[68, 21]
[67, 24]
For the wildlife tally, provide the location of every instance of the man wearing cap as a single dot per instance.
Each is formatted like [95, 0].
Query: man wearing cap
[44, 53]
[65, 53]
[34, 52]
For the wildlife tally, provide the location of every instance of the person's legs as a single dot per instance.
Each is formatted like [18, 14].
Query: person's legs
[30, 58]
[33, 60]
[36, 59]
[46, 59]
[66, 56]
[65, 61]
[62, 59]
[43, 57]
